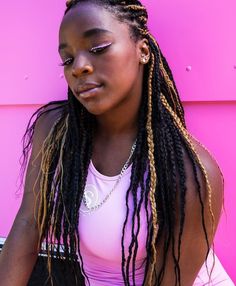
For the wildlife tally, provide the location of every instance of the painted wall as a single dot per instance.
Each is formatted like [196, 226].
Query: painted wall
[197, 39]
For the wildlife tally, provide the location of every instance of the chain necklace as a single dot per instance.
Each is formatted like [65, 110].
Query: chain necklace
[86, 201]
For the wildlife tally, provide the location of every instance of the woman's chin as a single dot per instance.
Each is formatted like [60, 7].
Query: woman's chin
[95, 109]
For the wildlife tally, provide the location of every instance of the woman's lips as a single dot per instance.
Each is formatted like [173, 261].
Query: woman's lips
[89, 92]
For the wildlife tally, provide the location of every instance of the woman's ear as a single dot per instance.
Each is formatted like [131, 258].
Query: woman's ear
[144, 51]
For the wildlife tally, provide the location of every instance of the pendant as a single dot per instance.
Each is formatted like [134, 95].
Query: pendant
[90, 198]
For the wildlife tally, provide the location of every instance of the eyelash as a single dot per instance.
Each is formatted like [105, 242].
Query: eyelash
[96, 50]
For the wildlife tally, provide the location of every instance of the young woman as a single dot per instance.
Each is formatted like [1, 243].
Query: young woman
[114, 176]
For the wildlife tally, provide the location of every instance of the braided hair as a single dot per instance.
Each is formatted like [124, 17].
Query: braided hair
[162, 136]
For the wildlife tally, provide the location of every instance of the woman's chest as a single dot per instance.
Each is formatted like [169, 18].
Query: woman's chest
[101, 229]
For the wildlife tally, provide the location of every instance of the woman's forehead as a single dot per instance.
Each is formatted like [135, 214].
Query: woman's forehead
[87, 18]
[89, 15]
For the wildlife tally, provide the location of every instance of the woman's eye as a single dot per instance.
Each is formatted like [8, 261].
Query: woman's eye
[95, 50]
[99, 49]
[66, 62]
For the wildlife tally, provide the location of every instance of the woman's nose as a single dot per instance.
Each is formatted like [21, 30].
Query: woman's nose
[81, 66]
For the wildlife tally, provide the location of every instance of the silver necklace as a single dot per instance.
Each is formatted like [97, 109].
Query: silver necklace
[87, 202]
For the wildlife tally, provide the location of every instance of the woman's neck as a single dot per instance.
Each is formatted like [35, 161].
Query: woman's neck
[117, 127]
[120, 121]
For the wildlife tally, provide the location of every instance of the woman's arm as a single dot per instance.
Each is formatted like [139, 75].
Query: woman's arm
[193, 245]
[19, 253]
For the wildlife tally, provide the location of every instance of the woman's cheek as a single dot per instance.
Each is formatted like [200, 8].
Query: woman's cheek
[68, 80]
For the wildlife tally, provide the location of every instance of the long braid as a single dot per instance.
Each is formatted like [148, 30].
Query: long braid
[81, 160]
[142, 147]
[187, 137]
[153, 180]
[166, 73]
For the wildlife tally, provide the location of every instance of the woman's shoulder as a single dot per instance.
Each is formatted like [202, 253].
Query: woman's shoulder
[200, 209]
[211, 166]
[212, 198]
[207, 158]
[48, 114]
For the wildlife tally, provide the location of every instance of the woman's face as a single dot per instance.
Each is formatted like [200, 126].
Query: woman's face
[101, 61]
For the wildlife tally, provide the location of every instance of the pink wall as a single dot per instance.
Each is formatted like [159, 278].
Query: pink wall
[198, 40]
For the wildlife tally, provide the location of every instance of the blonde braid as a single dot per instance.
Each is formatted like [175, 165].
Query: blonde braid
[153, 179]
[175, 101]
[47, 150]
[60, 163]
[186, 135]
[59, 173]
[135, 7]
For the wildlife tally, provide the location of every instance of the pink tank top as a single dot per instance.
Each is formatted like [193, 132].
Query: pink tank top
[101, 230]
[101, 233]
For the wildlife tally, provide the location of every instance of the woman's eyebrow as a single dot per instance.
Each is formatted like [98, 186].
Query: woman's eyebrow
[87, 34]
[95, 31]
